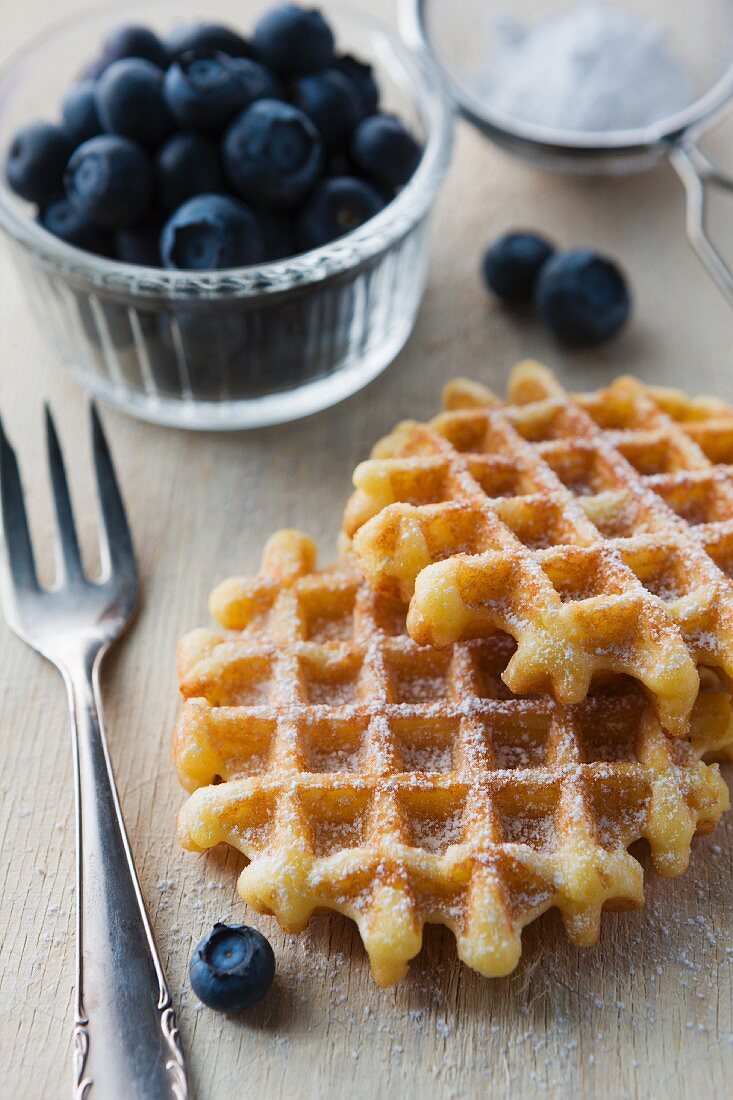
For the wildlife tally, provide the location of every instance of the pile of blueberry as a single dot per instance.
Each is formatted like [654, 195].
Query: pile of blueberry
[581, 296]
[209, 150]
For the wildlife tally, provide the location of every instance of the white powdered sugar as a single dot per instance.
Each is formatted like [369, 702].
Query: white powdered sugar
[589, 66]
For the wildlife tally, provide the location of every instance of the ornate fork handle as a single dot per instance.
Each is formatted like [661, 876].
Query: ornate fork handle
[126, 1042]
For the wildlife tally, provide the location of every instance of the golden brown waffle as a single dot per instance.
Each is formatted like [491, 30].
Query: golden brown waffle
[398, 785]
[596, 529]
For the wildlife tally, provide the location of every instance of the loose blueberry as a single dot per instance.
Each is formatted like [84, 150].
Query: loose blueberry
[35, 161]
[202, 91]
[256, 80]
[273, 155]
[207, 36]
[277, 235]
[331, 102]
[294, 40]
[79, 113]
[232, 968]
[385, 150]
[134, 41]
[211, 232]
[109, 179]
[583, 298]
[187, 164]
[337, 206]
[511, 265]
[361, 77]
[140, 244]
[60, 218]
[130, 102]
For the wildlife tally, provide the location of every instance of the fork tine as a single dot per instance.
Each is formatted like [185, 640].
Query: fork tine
[115, 541]
[15, 520]
[67, 544]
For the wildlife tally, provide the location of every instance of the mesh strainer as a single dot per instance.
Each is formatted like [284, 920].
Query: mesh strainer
[458, 35]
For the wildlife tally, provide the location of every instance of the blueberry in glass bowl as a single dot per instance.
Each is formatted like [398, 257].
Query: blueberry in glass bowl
[301, 312]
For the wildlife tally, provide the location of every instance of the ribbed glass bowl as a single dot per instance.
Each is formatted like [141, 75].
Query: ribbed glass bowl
[248, 346]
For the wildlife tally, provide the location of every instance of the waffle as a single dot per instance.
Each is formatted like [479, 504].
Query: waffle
[595, 529]
[399, 785]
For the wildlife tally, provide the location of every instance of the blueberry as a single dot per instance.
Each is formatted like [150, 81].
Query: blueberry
[79, 113]
[129, 98]
[207, 36]
[294, 40]
[583, 298]
[277, 235]
[385, 150]
[232, 968]
[340, 164]
[208, 341]
[134, 41]
[273, 155]
[60, 218]
[211, 232]
[92, 70]
[105, 321]
[512, 264]
[361, 77]
[35, 161]
[202, 91]
[140, 244]
[256, 80]
[187, 164]
[331, 101]
[109, 179]
[337, 206]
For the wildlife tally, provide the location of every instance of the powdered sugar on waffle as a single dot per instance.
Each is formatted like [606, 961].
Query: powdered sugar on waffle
[593, 529]
[458, 804]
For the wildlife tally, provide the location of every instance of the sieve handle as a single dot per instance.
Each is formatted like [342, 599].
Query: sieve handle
[699, 174]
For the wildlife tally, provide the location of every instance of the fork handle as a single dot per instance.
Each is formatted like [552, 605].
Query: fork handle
[126, 1042]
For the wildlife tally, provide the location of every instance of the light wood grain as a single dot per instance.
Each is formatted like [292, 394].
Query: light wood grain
[647, 1013]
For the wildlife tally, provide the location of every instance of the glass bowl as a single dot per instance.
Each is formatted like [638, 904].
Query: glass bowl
[248, 346]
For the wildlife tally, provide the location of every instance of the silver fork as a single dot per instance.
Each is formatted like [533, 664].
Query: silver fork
[126, 1041]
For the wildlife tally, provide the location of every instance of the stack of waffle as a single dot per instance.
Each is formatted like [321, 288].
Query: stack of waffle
[518, 668]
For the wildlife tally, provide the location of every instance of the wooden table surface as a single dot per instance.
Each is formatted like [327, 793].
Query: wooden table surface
[647, 1013]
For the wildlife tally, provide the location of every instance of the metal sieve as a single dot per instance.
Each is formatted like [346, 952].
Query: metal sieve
[700, 37]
